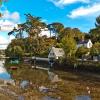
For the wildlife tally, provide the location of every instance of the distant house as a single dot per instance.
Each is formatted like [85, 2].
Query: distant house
[85, 43]
[56, 53]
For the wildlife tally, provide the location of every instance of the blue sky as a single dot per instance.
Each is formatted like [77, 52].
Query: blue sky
[72, 13]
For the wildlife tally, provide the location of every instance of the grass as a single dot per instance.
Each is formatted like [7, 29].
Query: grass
[73, 83]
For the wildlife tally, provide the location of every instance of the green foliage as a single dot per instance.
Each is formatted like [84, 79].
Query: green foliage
[35, 45]
[69, 46]
[57, 27]
[97, 24]
[59, 45]
[95, 33]
[81, 51]
[14, 51]
[95, 50]
[33, 25]
[75, 33]
[15, 48]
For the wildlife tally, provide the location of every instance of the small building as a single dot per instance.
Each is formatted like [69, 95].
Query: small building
[85, 43]
[56, 53]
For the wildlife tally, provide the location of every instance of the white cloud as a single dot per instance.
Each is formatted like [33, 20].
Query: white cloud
[9, 20]
[4, 41]
[15, 16]
[7, 25]
[61, 3]
[85, 11]
[6, 14]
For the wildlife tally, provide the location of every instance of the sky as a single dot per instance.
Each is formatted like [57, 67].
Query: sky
[72, 13]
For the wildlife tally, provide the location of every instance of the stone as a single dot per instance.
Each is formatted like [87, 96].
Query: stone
[43, 89]
[51, 75]
[55, 79]
[24, 84]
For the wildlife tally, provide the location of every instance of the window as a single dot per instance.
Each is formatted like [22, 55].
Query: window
[52, 54]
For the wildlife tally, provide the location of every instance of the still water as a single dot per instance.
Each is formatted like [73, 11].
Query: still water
[3, 72]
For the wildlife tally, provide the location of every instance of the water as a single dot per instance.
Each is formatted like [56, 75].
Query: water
[83, 97]
[49, 98]
[3, 72]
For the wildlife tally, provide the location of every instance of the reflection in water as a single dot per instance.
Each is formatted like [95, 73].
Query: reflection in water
[83, 97]
[3, 73]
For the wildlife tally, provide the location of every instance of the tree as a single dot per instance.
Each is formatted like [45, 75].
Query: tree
[16, 48]
[66, 32]
[56, 27]
[95, 50]
[69, 46]
[81, 52]
[18, 33]
[15, 51]
[33, 25]
[77, 34]
[95, 33]
[87, 36]
[97, 24]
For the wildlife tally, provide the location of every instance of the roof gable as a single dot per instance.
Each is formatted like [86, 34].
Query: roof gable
[58, 52]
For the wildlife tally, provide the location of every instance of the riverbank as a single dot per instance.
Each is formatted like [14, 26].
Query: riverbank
[73, 83]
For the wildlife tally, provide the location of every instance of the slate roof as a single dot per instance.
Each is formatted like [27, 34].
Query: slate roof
[83, 42]
[58, 51]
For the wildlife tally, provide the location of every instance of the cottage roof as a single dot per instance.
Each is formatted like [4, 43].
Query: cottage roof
[83, 41]
[58, 51]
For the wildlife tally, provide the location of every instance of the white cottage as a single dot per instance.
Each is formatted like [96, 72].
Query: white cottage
[56, 53]
[85, 43]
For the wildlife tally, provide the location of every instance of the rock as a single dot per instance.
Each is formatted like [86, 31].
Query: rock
[24, 84]
[43, 89]
[55, 79]
[51, 75]
[9, 82]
